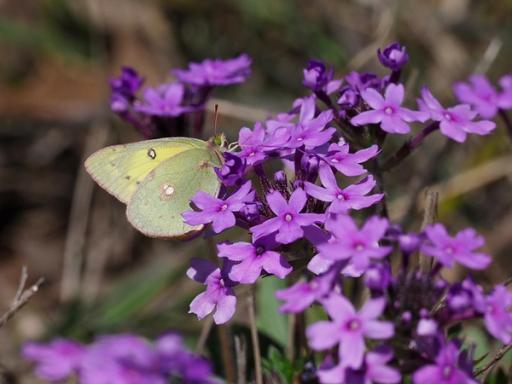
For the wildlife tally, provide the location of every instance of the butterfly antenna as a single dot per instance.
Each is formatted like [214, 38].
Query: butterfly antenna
[215, 119]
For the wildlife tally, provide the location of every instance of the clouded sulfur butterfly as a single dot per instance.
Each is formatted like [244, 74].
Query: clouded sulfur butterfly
[156, 179]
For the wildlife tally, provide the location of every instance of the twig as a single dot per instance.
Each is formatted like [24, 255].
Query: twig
[290, 348]
[205, 332]
[241, 359]
[22, 283]
[409, 146]
[254, 337]
[497, 357]
[22, 296]
[228, 359]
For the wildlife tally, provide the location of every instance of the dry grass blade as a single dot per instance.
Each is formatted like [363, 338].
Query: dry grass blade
[461, 184]
[255, 341]
[79, 218]
[241, 359]
[205, 332]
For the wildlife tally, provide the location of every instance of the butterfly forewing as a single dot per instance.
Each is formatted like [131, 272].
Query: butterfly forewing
[156, 207]
[120, 169]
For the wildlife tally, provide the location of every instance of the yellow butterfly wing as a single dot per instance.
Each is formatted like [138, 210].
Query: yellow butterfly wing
[120, 169]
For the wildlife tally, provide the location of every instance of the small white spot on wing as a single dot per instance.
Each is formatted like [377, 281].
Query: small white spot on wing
[166, 191]
[152, 153]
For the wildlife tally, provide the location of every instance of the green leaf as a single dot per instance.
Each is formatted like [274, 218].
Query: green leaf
[269, 320]
[276, 364]
[475, 336]
[498, 377]
[133, 294]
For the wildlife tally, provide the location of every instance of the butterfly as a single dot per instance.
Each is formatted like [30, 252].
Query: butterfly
[157, 178]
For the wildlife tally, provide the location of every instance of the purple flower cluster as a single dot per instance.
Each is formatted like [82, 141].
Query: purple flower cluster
[305, 188]
[120, 359]
[162, 110]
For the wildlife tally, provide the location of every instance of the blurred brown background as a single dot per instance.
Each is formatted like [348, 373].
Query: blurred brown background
[56, 57]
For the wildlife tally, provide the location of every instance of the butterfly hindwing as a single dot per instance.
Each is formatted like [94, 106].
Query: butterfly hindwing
[156, 206]
[120, 169]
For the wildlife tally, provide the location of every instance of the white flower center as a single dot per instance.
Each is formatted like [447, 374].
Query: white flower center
[449, 250]
[354, 325]
[388, 110]
[288, 217]
[447, 371]
[223, 207]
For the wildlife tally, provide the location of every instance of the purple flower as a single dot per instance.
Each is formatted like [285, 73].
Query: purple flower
[394, 56]
[349, 164]
[498, 314]
[387, 111]
[447, 249]
[309, 131]
[164, 100]
[374, 371]
[253, 258]
[126, 359]
[455, 122]
[123, 89]
[302, 294]
[218, 296]
[216, 72]
[217, 211]
[55, 361]
[289, 221]
[361, 81]
[360, 245]
[177, 361]
[252, 144]
[349, 328]
[378, 278]
[318, 78]
[427, 327]
[409, 242]
[354, 196]
[466, 296]
[120, 359]
[506, 94]
[232, 170]
[479, 93]
[445, 370]
[348, 97]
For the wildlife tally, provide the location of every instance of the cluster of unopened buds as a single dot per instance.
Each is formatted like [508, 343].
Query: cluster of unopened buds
[306, 186]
